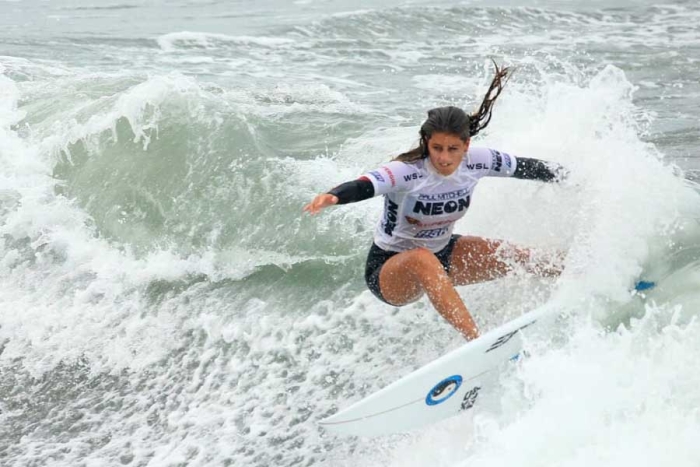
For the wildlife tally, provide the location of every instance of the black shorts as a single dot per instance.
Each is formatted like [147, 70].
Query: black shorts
[377, 257]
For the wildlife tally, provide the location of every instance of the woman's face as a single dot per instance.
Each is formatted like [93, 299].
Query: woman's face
[446, 151]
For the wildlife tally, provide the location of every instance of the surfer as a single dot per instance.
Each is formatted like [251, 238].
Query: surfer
[426, 190]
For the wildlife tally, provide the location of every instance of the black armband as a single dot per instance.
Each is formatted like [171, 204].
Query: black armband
[535, 169]
[351, 192]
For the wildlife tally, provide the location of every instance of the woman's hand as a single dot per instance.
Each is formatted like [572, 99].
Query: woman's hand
[320, 202]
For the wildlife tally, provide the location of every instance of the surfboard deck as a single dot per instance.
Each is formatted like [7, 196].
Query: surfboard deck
[441, 389]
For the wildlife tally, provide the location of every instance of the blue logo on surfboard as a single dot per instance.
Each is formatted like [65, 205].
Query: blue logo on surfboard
[443, 390]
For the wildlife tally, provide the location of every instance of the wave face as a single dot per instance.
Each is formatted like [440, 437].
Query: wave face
[164, 302]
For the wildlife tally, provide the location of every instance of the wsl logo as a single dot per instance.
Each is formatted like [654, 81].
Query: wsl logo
[443, 390]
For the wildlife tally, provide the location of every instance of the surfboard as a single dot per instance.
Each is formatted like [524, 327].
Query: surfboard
[450, 385]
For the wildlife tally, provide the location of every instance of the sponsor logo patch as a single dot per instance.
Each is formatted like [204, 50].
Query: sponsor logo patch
[506, 337]
[377, 176]
[469, 398]
[496, 160]
[391, 175]
[443, 196]
[432, 233]
[391, 210]
[441, 207]
[443, 390]
[418, 222]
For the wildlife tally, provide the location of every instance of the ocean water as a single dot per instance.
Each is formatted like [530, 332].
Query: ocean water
[164, 302]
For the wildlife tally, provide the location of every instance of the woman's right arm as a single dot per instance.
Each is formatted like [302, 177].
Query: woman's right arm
[348, 192]
[394, 176]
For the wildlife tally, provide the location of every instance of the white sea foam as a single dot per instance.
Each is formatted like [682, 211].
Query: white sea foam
[139, 105]
[174, 40]
[624, 398]
[592, 397]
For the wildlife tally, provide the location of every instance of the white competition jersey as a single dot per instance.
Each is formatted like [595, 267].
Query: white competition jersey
[421, 206]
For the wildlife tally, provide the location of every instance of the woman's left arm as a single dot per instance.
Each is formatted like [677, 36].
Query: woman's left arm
[535, 169]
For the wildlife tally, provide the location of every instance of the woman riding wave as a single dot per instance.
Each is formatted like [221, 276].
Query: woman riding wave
[426, 191]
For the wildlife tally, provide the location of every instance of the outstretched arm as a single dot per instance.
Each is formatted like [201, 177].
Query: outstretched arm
[348, 192]
[354, 191]
[535, 169]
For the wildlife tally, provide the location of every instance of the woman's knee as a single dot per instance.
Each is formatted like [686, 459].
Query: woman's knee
[423, 261]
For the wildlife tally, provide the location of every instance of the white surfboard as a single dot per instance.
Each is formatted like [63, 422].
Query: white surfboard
[443, 388]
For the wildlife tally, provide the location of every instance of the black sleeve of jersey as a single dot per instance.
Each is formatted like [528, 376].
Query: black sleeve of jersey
[535, 169]
[351, 192]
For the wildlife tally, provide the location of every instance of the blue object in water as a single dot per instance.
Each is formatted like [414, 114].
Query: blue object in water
[644, 285]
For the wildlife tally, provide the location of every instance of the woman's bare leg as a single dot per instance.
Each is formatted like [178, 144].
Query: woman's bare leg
[476, 259]
[405, 276]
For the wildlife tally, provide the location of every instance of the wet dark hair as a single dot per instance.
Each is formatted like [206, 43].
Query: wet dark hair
[455, 121]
